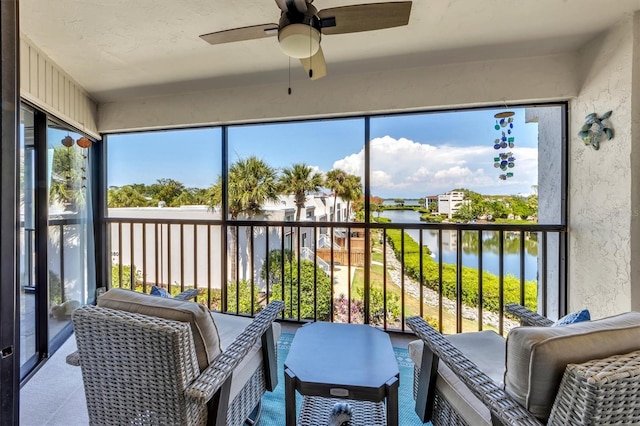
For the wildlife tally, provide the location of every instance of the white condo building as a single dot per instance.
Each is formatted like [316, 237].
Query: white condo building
[449, 203]
[167, 252]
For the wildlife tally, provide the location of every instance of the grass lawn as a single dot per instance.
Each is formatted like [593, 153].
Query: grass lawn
[412, 304]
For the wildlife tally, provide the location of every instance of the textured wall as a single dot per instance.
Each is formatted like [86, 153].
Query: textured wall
[635, 168]
[550, 126]
[47, 86]
[600, 181]
[477, 83]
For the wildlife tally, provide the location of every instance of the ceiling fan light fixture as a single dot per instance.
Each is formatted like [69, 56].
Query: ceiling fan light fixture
[299, 40]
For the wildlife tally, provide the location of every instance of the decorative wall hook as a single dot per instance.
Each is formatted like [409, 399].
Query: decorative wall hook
[593, 129]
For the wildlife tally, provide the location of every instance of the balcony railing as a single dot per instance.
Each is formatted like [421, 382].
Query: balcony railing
[377, 273]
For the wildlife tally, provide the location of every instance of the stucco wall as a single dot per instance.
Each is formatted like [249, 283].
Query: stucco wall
[600, 186]
[476, 83]
[635, 168]
[550, 125]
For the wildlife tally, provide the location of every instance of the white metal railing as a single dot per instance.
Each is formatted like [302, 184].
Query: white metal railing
[325, 241]
[308, 254]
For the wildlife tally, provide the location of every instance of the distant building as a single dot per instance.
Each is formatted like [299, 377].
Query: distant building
[449, 203]
[430, 199]
[181, 247]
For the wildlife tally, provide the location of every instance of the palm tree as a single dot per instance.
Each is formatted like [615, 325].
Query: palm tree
[299, 180]
[67, 186]
[334, 181]
[252, 183]
[351, 191]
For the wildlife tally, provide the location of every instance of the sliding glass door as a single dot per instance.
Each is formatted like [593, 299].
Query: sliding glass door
[70, 248]
[26, 240]
[56, 240]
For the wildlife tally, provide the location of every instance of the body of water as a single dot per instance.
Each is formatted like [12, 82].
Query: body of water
[407, 202]
[490, 247]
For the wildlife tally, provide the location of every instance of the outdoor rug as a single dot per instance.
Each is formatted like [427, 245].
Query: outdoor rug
[273, 402]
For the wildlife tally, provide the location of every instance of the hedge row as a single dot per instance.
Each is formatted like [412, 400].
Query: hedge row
[490, 282]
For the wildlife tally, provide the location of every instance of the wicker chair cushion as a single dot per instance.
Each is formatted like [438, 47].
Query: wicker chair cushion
[536, 357]
[204, 330]
[230, 326]
[486, 349]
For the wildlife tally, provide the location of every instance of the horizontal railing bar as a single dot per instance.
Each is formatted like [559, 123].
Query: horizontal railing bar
[359, 225]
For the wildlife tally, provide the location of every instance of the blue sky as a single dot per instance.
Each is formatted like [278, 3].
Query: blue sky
[411, 155]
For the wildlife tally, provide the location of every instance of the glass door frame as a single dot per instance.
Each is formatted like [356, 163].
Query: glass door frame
[44, 346]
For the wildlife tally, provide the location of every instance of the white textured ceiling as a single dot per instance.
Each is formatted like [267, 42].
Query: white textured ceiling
[119, 49]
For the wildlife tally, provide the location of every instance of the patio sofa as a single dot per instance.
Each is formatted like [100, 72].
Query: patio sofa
[153, 360]
[586, 373]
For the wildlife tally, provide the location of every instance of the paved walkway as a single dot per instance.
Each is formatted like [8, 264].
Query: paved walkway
[341, 279]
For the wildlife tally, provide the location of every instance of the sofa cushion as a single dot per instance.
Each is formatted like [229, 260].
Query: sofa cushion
[230, 326]
[536, 357]
[486, 349]
[204, 330]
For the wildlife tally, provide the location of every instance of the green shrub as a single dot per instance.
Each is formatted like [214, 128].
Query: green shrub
[289, 288]
[431, 218]
[376, 305]
[244, 296]
[490, 282]
[126, 277]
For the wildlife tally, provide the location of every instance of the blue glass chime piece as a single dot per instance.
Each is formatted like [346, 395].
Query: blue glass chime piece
[504, 160]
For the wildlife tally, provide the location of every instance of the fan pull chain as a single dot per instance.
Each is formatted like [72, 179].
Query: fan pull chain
[310, 56]
[289, 91]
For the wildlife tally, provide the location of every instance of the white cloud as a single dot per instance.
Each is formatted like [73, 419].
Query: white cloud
[401, 167]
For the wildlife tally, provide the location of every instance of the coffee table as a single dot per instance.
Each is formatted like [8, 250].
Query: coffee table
[347, 361]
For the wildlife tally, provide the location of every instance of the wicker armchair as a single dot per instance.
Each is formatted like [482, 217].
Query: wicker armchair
[600, 392]
[142, 370]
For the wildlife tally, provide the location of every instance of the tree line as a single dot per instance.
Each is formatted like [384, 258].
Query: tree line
[251, 184]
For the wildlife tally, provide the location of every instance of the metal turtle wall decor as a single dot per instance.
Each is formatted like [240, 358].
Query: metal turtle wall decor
[594, 129]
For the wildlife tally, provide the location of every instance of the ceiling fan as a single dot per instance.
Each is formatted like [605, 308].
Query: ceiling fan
[301, 27]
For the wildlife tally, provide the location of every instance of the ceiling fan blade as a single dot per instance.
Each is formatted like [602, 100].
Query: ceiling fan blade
[364, 17]
[315, 66]
[240, 34]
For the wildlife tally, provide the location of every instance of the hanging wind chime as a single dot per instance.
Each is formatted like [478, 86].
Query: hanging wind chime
[84, 143]
[505, 161]
[67, 142]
